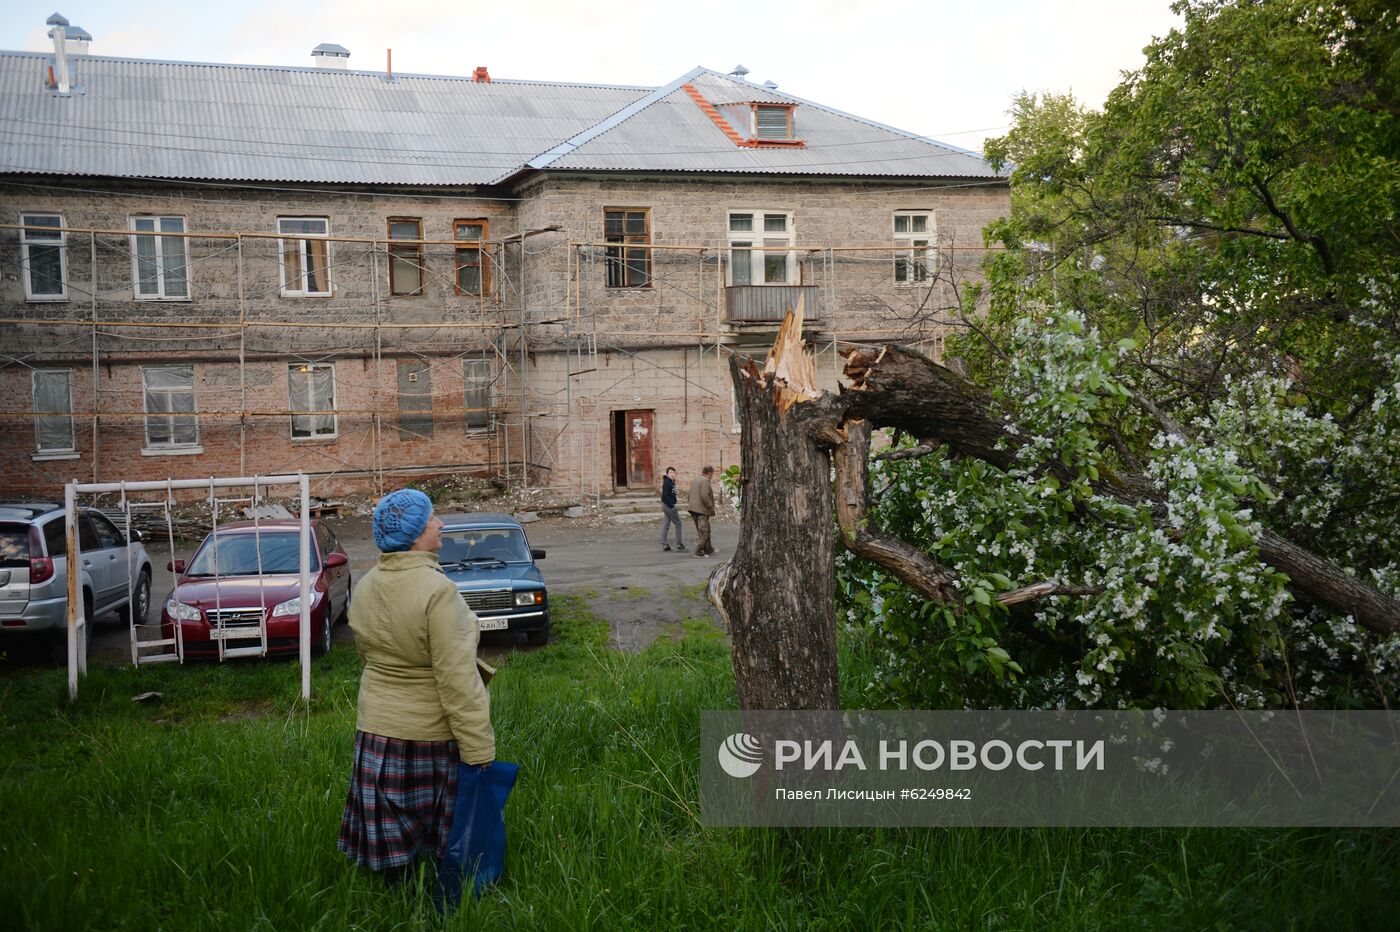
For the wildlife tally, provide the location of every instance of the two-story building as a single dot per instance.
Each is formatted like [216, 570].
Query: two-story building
[234, 269]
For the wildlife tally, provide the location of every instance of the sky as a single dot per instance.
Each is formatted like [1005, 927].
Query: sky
[948, 70]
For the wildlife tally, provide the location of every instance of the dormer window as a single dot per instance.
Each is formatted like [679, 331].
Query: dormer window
[772, 122]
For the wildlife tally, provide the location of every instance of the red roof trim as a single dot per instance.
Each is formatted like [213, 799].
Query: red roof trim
[709, 110]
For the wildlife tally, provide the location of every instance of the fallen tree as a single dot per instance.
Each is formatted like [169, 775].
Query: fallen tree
[777, 593]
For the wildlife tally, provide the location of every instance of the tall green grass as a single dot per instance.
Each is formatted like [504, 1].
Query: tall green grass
[218, 808]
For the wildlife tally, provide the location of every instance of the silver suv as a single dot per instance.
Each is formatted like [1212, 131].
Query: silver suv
[34, 568]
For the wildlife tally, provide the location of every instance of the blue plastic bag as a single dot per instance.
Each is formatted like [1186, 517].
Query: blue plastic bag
[476, 844]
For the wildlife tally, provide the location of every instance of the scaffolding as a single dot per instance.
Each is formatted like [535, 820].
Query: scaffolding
[388, 300]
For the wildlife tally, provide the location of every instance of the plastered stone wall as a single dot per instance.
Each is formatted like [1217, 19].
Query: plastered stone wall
[589, 350]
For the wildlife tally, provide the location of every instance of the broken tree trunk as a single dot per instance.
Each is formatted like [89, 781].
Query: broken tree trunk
[897, 387]
[777, 593]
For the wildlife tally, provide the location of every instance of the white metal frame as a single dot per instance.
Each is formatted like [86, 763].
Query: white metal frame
[921, 254]
[77, 623]
[298, 289]
[754, 245]
[28, 238]
[160, 246]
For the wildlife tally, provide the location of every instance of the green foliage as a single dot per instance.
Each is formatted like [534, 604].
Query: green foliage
[1200, 285]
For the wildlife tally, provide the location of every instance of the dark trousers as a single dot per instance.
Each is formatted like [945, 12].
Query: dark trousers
[702, 534]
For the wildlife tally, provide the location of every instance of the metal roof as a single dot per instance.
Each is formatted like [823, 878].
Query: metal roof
[258, 123]
[156, 119]
[669, 132]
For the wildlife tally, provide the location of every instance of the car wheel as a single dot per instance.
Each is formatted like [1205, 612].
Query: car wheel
[538, 638]
[140, 605]
[322, 646]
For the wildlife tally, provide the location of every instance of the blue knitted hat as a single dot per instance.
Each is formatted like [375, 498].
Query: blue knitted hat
[400, 518]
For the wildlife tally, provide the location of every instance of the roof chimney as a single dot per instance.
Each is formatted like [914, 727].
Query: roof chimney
[481, 75]
[59, 34]
[739, 72]
[330, 55]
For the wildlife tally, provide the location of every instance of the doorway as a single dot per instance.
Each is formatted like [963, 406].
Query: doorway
[632, 448]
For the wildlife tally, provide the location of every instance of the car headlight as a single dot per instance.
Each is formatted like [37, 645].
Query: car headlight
[289, 607]
[181, 612]
[529, 598]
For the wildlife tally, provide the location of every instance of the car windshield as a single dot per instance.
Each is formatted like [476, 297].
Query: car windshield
[14, 545]
[238, 554]
[484, 545]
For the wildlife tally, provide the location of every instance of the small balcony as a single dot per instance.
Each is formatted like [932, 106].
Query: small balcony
[764, 305]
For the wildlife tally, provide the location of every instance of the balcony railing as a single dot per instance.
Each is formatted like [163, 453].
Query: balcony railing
[766, 304]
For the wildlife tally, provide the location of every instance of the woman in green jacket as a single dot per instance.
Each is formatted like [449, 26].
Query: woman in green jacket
[423, 702]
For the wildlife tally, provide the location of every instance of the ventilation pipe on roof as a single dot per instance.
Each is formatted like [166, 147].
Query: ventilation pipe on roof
[330, 55]
[481, 75]
[59, 34]
[77, 40]
[739, 72]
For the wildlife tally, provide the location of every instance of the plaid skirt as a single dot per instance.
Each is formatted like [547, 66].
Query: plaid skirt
[402, 795]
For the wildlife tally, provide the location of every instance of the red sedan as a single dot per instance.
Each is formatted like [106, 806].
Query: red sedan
[244, 574]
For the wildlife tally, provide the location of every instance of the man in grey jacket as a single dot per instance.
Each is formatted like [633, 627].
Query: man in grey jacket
[702, 507]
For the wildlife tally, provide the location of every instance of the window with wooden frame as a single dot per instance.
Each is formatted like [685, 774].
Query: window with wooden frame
[772, 264]
[44, 257]
[406, 259]
[472, 272]
[914, 231]
[628, 266]
[305, 256]
[773, 122]
[159, 268]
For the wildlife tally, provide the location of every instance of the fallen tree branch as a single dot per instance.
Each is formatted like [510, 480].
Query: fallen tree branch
[923, 449]
[1043, 590]
[897, 387]
[931, 579]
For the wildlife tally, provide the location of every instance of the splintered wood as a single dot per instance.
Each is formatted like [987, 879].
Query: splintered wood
[789, 365]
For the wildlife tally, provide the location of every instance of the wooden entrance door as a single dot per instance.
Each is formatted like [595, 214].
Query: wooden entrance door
[632, 448]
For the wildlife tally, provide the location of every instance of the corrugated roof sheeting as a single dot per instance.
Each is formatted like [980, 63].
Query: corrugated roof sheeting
[258, 123]
[722, 89]
[246, 123]
[674, 134]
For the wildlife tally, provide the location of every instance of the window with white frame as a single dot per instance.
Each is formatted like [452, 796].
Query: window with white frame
[915, 233]
[170, 406]
[311, 393]
[159, 264]
[305, 256]
[44, 257]
[756, 248]
[53, 410]
[477, 376]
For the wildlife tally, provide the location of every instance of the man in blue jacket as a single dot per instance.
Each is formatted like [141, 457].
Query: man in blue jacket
[668, 510]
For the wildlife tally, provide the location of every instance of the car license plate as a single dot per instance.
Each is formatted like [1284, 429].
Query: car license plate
[229, 634]
[493, 624]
